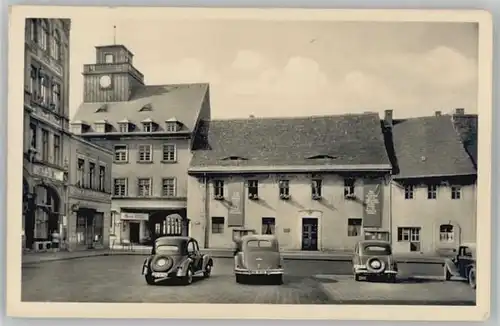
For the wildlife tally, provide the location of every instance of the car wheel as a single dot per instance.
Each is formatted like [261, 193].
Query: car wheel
[208, 269]
[150, 279]
[356, 277]
[278, 279]
[472, 278]
[188, 279]
[447, 274]
[391, 278]
[239, 278]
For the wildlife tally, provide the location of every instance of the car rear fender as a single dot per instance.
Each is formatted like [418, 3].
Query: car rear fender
[206, 259]
[183, 265]
[145, 265]
[451, 267]
[239, 261]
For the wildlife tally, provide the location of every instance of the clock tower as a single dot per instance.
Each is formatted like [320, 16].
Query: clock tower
[113, 77]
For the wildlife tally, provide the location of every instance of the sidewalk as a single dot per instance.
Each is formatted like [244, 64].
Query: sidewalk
[32, 258]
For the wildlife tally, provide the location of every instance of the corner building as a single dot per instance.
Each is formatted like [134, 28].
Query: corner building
[318, 183]
[150, 130]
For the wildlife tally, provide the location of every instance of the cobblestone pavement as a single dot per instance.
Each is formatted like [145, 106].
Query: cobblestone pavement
[118, 279]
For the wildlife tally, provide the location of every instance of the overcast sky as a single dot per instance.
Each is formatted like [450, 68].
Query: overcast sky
[296, 68]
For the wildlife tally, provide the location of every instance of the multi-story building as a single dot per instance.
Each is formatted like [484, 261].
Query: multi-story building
[318, 183]
[150, 129]
[46, 121]
[49, 173]
[89, 195]
[434, 181]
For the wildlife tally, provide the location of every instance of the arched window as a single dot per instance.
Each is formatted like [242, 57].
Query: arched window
[56, 45]
[446, 233]
[44, 34]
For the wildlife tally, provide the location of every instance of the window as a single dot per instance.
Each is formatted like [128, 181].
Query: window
[102, 178]
[80, 172]
[354, 227]
[123, 127]
[57, 150]
[121, 153]
[349, 187]
[56, 45]
[33, 136]
[284, 188]
[409, 234]
[253, 188]
[108, 58]
[217, 225]
[91, 175]
[81, 225]
[268, 225]
[147, 126]
[100, 127]
[44, 90]
[56, 96]
[432, 191]
[456, 192]
[446, 233]
[44, 35]
[33, 30]
[145, 153]
[45, 145]
[168, 187]
[169, 153]
[171, 126]
[144, 187]
[33, 75]
[120, 187]
[316, 188]
[219, 189]
[409, 192]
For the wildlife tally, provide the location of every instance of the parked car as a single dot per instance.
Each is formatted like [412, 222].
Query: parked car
[176, 258]
[373, 258]
[463, 264]
[258, 255]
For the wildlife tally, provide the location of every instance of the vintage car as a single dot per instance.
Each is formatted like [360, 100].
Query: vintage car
[463, 264]
[258, 255]
[176, 258]
[373, 258]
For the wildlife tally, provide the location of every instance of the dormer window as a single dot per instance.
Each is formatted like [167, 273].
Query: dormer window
[147, 107]
[101, 126]
[234, 158]
[172, 125]
[102, 108]
[322, 157]
[124, 126]
[79, 127]
[148, 125]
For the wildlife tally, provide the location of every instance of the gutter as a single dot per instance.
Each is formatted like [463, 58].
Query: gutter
[289, 169]
[207, 207]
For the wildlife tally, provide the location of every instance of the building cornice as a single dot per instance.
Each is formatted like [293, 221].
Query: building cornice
[89, 144]
[290, 169]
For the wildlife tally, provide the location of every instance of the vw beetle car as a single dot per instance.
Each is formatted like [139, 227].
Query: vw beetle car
[176, 258]
[258, 255]
[463, 265]
[373, 258]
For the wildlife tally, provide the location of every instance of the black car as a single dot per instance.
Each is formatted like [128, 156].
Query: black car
[176, 258]
[463, 265]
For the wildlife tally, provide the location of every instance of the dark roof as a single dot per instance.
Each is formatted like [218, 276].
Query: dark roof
[429, 147]
[182, 102]
[342, 140]
[466, 125]
[172, 240]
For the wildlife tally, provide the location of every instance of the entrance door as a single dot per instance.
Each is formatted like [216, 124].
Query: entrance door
[310, 234]
[134, 232]
[89, 232]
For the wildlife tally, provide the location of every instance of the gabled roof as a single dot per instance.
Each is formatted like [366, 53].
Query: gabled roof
[429, 147]
[466, 125]
[351, 140]
[183, 101]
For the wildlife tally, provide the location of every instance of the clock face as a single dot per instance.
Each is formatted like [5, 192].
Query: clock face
[105, 81]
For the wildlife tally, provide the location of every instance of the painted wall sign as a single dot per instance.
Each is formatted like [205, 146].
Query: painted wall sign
[373, 197]
[236, 212]
[134, 216]
[48, 172]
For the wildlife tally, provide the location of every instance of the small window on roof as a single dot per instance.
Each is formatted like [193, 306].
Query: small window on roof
[147, 107]
[234, 158]
[102, 108]
[171, 126]
[322, 156]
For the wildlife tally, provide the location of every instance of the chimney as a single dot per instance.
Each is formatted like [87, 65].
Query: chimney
[459, 111]
[251, 116]
[388, 118]
[438, 113]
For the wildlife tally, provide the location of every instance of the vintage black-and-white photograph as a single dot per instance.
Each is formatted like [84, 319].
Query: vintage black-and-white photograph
[249, 161]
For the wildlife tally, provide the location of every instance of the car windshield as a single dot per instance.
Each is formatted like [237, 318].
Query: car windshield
[377, 250]
[260, 245]
[167, 249]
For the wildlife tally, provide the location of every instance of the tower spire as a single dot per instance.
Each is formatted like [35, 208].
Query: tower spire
[114, 34]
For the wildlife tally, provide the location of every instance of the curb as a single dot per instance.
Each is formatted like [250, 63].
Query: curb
[230, 255]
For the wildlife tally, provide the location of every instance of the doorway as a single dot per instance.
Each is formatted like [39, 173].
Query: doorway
[310, 234]
[134, 229]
